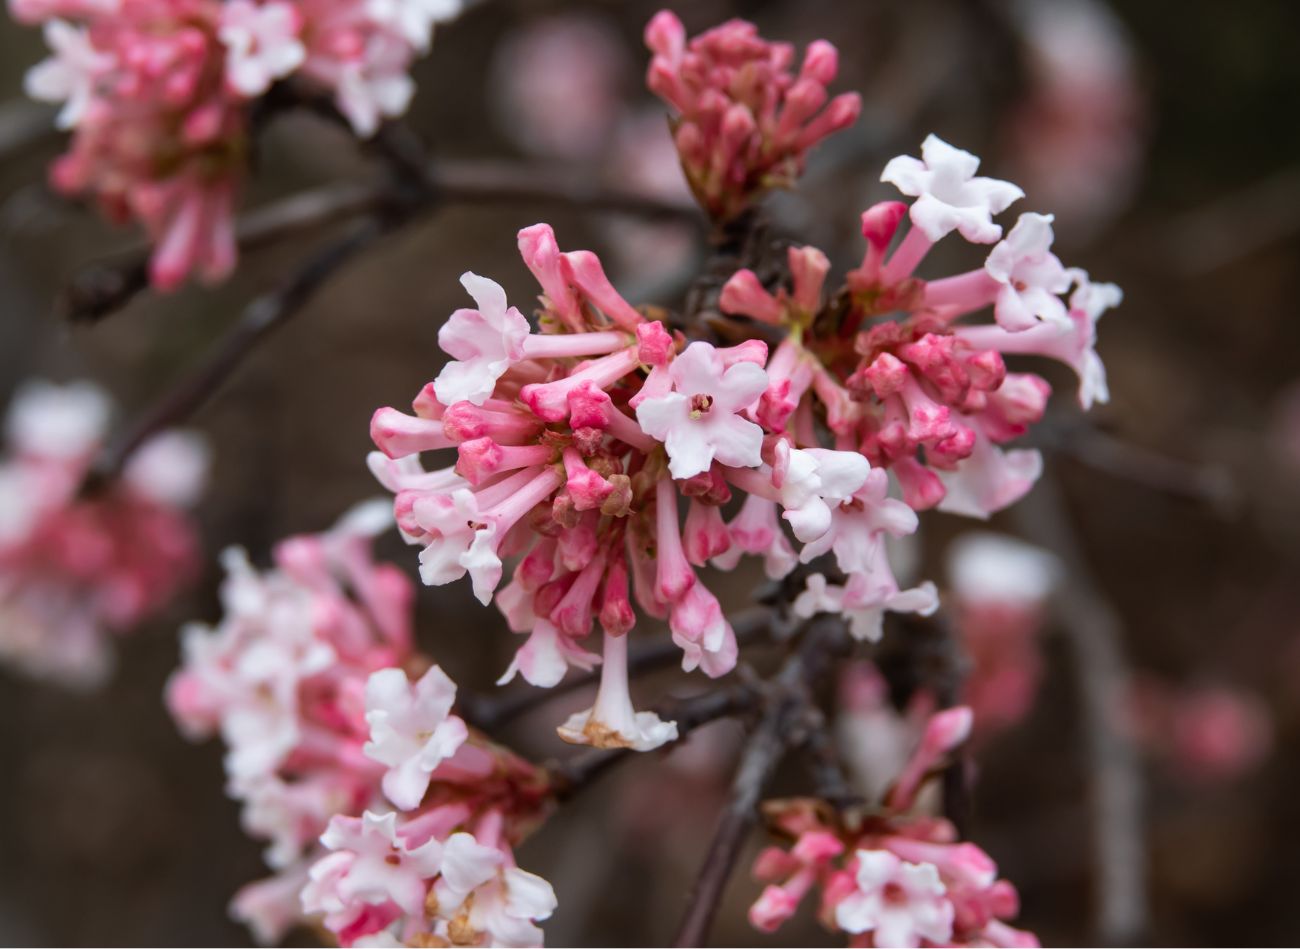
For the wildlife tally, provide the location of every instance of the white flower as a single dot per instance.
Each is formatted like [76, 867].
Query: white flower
[70, 75]
[698, 420]
[811, 477]
[377, 86]
[58, 421]
[484, 342]
[170, 468]
[1031, 276]
[262, 44]
[414, 19]
[492, 900]
[994, 568]
[899, 903]
[613, 722]
[412, 730]
[948, 194]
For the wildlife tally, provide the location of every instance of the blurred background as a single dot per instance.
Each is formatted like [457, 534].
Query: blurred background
[1162, 134]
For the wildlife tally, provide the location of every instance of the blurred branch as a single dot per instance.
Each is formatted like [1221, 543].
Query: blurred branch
[1234, 226]
[1102, 451]
[264, 315]
[104, 287]
[24, 125]
[1114, 770]
[486, 712]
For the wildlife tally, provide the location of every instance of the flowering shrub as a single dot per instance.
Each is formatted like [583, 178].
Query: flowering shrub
[78, 567]
[303, 680]
[887, 877]
[156, 94]
[598, 460]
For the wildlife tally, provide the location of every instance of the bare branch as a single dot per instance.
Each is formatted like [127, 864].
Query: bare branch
[1114, 771]
[786, 696]
[105, 286]
[264, 315]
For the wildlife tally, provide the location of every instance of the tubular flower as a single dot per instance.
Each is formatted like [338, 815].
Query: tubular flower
[597, 453]
[892, 372]
[78, 567]
[156, 95]
[745, 119]
[886, 876]
[326, 734]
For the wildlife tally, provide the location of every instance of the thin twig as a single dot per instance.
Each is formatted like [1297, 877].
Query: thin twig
[1114, 770]
[105, 286]
[767, 744]
[487, 712]
[264, 315]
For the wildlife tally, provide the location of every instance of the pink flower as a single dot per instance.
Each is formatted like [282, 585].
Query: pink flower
[699, 419]
[899, 903]
[262, 43]
[371, 865]
[411, 730]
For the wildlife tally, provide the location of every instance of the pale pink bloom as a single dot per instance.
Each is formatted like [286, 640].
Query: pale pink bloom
[484, 342]
[546, 656]
[371, 864]
[810, 478]
[899, 903]
[1030, 276]
[949, 195]
[613, 722]
[69, 76]
[376, 86]
[990, 479]
[412, 730]
[262, 43]
[499, 903]
[273, 906]
[699, 420]
[171, 468]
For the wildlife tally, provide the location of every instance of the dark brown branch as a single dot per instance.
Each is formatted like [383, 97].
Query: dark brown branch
[264, 315]
[786, 696]
[105, 286]
[487, 712]
[1114, 770]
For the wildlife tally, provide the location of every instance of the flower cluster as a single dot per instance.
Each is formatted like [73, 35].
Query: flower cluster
[304, 681]
[157, 93]
[887, 364]
[745, 121]
[577, 447]
[889, 877]
[77, 567]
